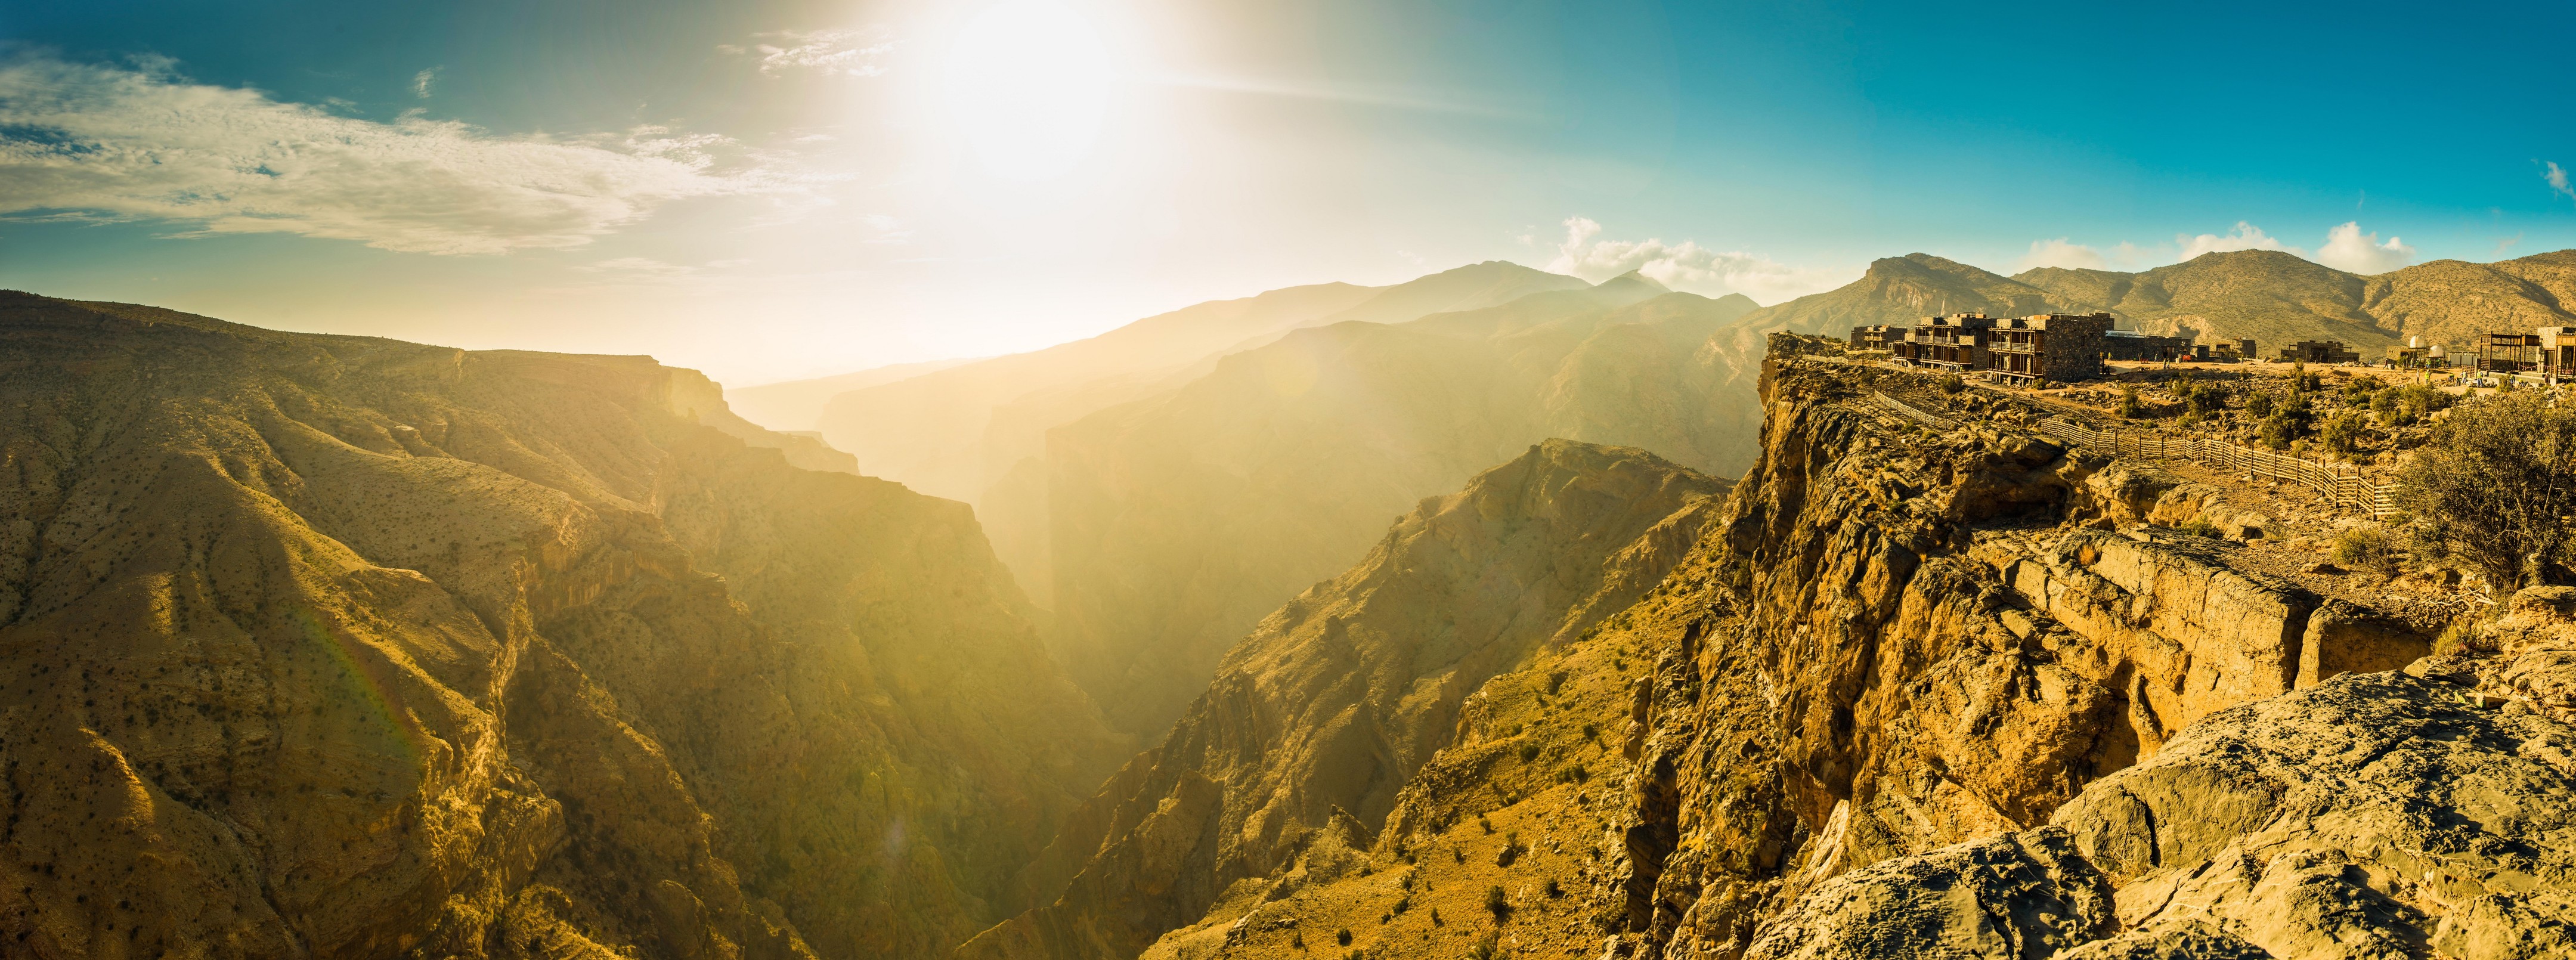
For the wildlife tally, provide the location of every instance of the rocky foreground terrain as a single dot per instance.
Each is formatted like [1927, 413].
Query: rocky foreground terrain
[1969, 693]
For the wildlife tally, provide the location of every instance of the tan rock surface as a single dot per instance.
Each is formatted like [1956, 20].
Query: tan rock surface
[337, 646]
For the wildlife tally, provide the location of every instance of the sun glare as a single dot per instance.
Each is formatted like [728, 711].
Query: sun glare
[1027, 86]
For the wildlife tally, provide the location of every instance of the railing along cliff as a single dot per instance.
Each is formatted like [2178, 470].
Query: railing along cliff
[1917, 416]
[2342, 484]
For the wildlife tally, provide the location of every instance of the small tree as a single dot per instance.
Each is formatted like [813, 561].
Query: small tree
[2129, 405]
[2343, 432]
[2499, 479]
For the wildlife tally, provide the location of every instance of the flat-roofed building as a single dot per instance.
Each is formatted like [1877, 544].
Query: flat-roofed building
[1875, 337]
[2132, 345]
[2051, 346]
[2512, 353]
[2319, 351]
[1953, 342]
[2557, 351]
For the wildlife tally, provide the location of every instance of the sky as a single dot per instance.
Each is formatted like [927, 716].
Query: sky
[775, 189]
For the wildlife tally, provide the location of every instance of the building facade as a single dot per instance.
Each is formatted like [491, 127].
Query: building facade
[2132, 345]
[2546, 350]
[2319, 351]
[1876, 337]
[2057, 346]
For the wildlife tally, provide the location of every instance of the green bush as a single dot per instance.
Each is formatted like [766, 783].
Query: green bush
[2366, 548]
[2258, 404]
[1952, 383]
[2343, 432]
[2129, 405]
[2499, 480]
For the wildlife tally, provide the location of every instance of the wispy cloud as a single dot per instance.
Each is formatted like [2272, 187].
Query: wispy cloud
[420, 82]
[2347, 247]
[1685, 266]
[2246, 236]
[2557, 177]
[2060, 253]
[858, 52]
[2352, 251]
[144, 143]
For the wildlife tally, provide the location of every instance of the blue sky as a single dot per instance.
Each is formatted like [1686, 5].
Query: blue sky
[769, 190]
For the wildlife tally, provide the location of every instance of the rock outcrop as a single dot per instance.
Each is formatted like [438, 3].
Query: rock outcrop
[1939, 694]
[345, 647]
[1281, 773]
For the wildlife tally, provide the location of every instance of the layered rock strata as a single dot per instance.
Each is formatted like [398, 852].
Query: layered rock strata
[335, 646]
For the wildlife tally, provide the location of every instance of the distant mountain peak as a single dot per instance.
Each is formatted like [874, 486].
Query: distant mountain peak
[1633, 279]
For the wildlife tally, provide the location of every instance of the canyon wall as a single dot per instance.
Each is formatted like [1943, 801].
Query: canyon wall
[346, 647]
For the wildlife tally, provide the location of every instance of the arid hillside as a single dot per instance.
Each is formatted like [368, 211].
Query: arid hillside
[1319, 718]
[343, 647]
[1179, 522]
[1964, 691]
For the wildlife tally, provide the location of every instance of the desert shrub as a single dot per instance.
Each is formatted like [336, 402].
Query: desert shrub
[2129, 405]
[2366, 548]
[2498, 480]
[2259, 404]
[2343, 432]
[2417, 401]
[1487, 947]
[1952, 383]
[2199, 527]
[2303, 379]
[1552, 890]
[1496, 902]
[1591, 731]
[2206, 398]
[2463, 636]
[1529, 752]
[1342, 936]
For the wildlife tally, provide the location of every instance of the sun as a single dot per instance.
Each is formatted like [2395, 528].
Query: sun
[1027, 86]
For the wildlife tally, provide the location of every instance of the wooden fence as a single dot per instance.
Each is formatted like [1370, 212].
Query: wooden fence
[2342, 484]
[1917, 416]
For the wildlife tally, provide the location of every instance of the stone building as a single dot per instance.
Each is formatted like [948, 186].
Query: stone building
[2053, 346]
[1876, 337]
[2057, 346]
[2319, 351]
[2132, 345]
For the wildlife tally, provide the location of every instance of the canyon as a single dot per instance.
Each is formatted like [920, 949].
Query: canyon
[339, 646]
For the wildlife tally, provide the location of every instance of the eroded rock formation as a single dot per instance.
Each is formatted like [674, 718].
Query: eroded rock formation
[344, 647]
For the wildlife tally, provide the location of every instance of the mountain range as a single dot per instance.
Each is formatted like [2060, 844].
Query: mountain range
[1159, 488]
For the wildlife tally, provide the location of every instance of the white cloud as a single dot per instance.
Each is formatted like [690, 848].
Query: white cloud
[2059, 253]
[143, 143]
[2246, 236]
[1687, 266]
[420, 82]
[2557, 177]
[2352, 251]
[848, 53]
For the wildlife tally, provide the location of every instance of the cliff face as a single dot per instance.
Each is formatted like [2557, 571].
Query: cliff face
[1937, 692]
[1179, 522]
[1320, 717]
[347, 647]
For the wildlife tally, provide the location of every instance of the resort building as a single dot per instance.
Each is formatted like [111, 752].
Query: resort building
[2056, 346]
[2319, 351]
